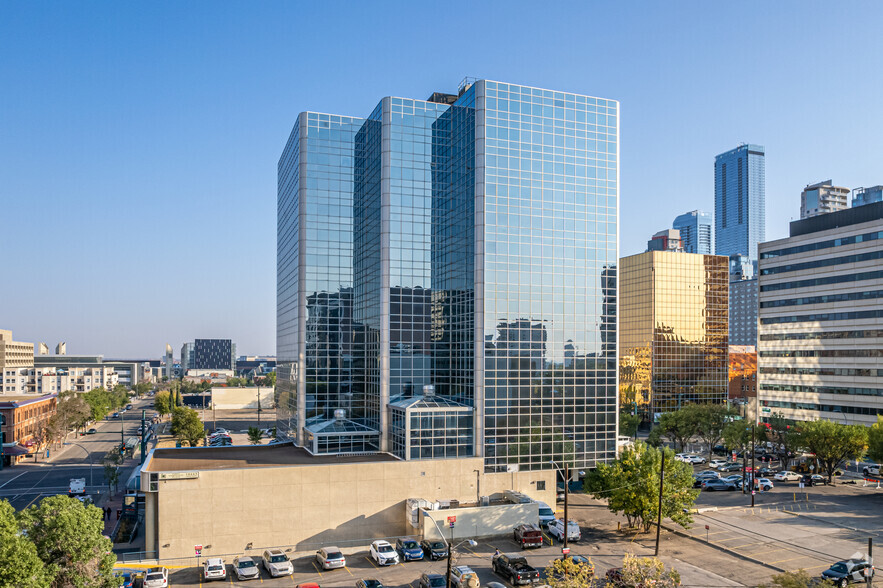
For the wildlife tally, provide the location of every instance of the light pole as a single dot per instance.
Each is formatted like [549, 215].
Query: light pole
[477, 487]
[452, 547]
[566, 474]
[88, 454]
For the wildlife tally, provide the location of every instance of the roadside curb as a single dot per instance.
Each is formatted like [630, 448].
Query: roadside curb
[724, 549]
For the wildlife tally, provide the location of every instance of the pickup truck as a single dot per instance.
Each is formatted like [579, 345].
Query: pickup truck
[514, 568]
[528, 536]
[871, 469]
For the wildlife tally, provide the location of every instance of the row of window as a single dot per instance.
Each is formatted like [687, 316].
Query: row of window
[863, 410]
[824, 299]
[848, 259]
[823, 353]
[823, 316]
[805, 371]
[823, 281]
[873, 236]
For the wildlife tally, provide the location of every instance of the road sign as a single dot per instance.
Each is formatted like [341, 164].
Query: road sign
[706, 527]
[765, 409]
[198, 550]
[565, 550]
[451, 521]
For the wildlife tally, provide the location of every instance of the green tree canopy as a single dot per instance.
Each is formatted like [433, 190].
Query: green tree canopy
[737, 434]
[20, 566]
[71, 411]
[782, 433]
[832, 442]
[162, 402]
[799, 579]
[628, 424]
[679, 426]
[875, 440]
[566, 573]
[711, 420]
[101, 400]
[187, 426]
[648, 571]
[631, 486]
[69, 539]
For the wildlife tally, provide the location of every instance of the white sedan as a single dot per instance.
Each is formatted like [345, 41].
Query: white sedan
[384, 553]
[694, 459]
[787, 477]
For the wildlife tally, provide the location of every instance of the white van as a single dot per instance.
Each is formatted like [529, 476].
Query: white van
[547, 515]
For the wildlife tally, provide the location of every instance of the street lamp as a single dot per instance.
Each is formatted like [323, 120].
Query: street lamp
[450, 544]
[88, 454]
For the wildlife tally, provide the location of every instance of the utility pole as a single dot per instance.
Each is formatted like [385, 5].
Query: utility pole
[143, 434]
[753, 467]
[450, 551]
[122, 432]
[659, 513]
[869, 578]
[566, 493]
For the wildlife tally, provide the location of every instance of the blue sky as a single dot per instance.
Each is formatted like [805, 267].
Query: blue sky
[139, 141]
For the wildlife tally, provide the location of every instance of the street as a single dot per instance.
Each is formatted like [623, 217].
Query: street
[25, 483]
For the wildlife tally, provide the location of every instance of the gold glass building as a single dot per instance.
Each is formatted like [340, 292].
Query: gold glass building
[673, 330]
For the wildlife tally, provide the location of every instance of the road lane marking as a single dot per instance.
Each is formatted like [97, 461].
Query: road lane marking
[33, 501]
[347, 569]
[15, 478]
[316, 568]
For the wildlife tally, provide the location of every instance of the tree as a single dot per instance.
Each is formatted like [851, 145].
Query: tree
[711, 420]
[69, 537]
[798, 579]
[875, 440]
[679, 427]
[254, 435]
[832, 443]
[631, 486]
[566, 573]
[187, 426]
[628, 424]
[20, 566]
[71, 412]
[141, 388]
[783, 433]
[162, 402]
[648, 571]
[112, 462]
[737, 434]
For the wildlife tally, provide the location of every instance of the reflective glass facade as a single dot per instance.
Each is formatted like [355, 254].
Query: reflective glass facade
[740, 201]
[469, 242]
[697, 231]
[673, 330]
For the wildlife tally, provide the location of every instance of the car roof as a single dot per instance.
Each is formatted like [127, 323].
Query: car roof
[432, 576]
[380, 542]
[274, 552]
[331, 548]
[213, 560]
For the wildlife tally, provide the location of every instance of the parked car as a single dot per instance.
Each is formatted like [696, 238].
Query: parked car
[716, 463]
[434, 549]
[787, 477]
[614, 578]
[849, 571]
[115, 415]
[369, 583]
[547, 515]
[815, 480]
[556, 530]
[528, 536]
[127, 579]
[712, 485]
[91, 431]
[330, 558]
[276, 563]
[515, 568]
[128, 407]
[409, 549]
[213, 568]
[730, 467]
[383, 553]
[464, 577]
[764, 484]
[432, 581]
[245, 568]
[871, 469]
[156, 578]
[732, 478]
[692, 458]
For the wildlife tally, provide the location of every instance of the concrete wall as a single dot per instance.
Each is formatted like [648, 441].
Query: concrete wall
[485, 521]
[304, 507]
[238, 398]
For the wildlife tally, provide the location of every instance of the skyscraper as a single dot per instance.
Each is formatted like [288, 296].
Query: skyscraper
[739, 201]
[697, 231]
[822, 198]
[214, 354]
[454, 260]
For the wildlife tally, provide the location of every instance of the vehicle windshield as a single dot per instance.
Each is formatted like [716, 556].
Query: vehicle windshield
[839, 567]
[334, 555]
[436, 545]
[373, 584]
[436, 582]
[410, 545]
[384, 548]
[278, 558]
[246, 564]
[546, 512]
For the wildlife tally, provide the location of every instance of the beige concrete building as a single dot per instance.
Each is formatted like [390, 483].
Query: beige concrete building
[822, 198]
[820, 337]
[15, 356]
[235, 500]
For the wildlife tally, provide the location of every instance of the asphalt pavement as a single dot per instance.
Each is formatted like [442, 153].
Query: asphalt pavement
[25, 483]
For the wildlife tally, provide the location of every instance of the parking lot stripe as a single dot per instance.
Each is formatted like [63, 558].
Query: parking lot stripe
[784, 560]
[747, 545]
[371, 562]
[316, 568]
[347, 569]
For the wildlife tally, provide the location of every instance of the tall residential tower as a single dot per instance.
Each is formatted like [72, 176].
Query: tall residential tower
[446, 280]
[697, 231]
[739, 201]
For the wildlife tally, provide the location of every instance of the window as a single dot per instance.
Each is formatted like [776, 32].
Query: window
[541, 485]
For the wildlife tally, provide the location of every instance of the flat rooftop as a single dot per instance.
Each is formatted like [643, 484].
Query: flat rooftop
[173, 459]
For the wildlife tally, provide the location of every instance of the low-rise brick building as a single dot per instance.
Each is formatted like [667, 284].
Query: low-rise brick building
[22, 422]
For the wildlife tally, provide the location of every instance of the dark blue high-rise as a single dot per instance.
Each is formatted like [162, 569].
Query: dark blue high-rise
[740, 201]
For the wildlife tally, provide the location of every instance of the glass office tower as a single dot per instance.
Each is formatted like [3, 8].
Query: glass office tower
[697, 231]
[673, 330]
[465, 244]
[740, 201]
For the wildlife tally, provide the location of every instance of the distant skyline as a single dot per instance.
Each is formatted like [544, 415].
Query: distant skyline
[140, 140]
